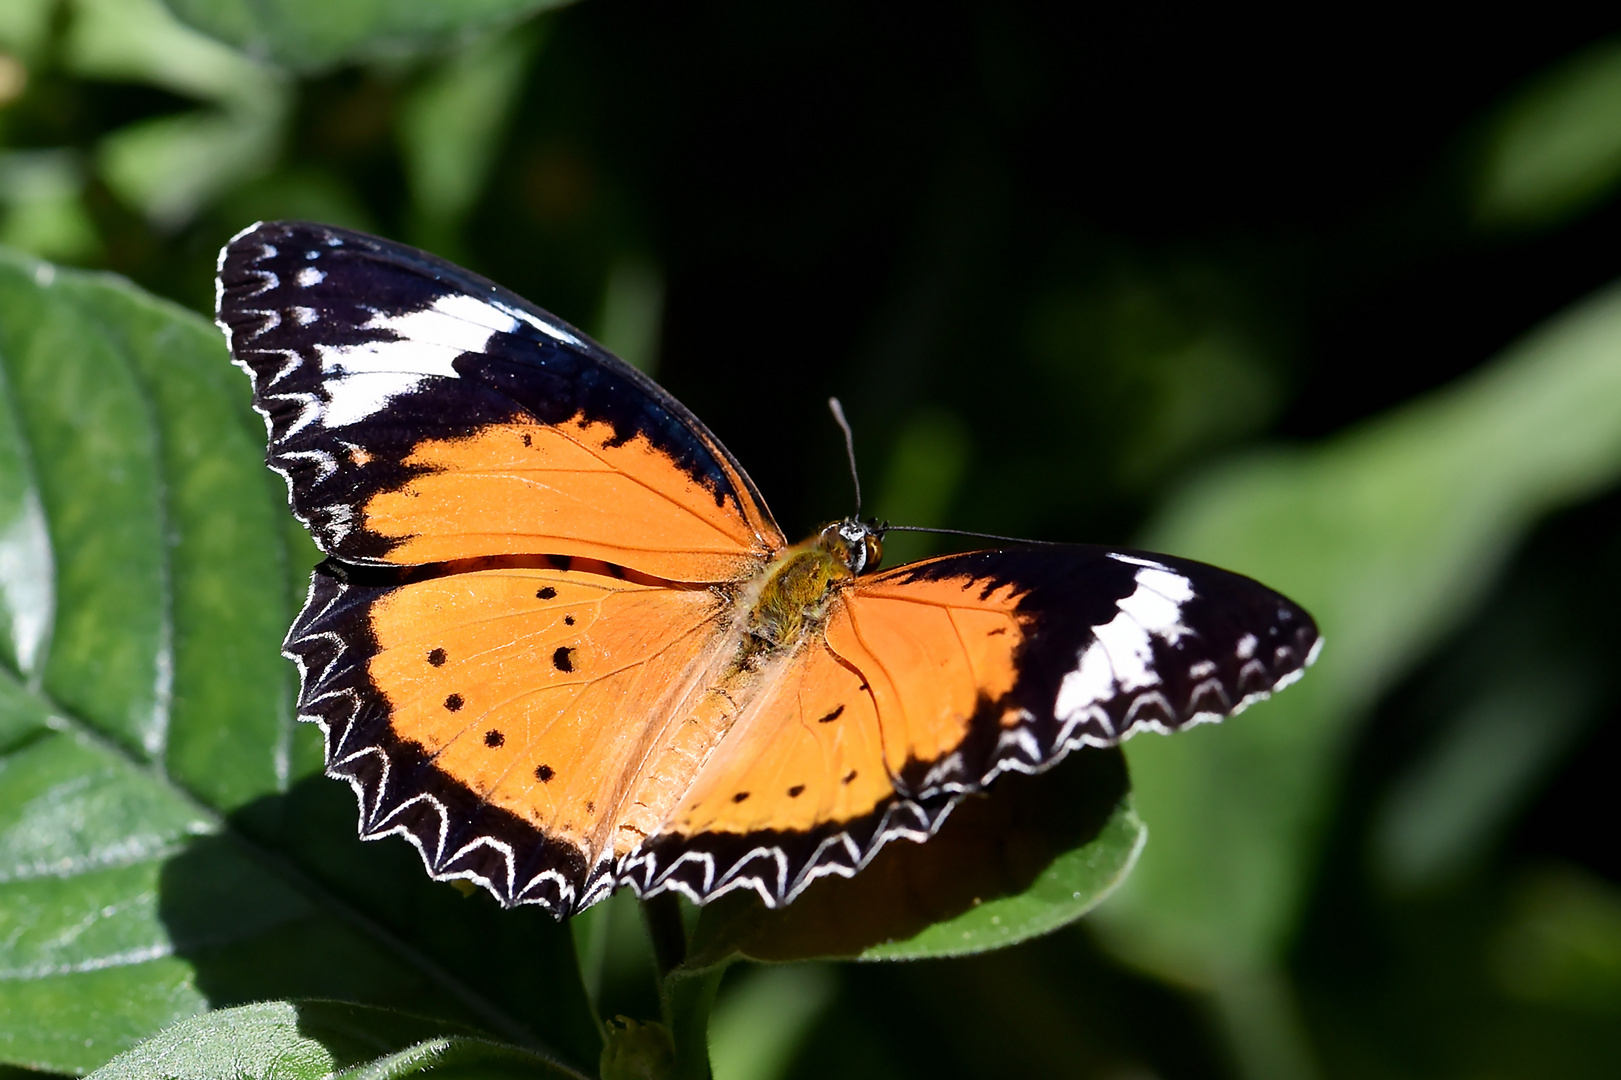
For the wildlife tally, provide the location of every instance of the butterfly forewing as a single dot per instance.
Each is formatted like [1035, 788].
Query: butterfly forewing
[421, 414]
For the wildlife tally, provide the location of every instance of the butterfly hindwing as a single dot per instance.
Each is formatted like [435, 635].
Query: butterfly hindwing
[799, 785]
[496, 716]
[937, 677]
[422, 414]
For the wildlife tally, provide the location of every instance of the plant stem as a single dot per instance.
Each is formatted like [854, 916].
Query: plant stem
[685, 996]
[667, 930]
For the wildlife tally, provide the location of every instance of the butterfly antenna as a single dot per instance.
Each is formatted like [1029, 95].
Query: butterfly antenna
[849, 446]
[964, 532]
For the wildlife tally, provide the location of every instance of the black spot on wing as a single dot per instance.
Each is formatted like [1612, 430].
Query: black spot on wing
[400, 788]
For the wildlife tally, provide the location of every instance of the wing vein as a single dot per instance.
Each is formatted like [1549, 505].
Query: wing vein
[672, 500]
[883, 743]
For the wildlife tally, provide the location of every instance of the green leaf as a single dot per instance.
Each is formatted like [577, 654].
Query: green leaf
[760, 1020]
[1561, 942]
[169, 166]
[307, 35]
[1555, 149]
[139, 41]
[1037, 856]
[42, 206]
[25, 25]
[87, 966]
[1073, 884]
[27, 578]
[1518, 721]
[1389, 534]
[462, 1059]
[450, 127]
[166, 842]
[308, 1040]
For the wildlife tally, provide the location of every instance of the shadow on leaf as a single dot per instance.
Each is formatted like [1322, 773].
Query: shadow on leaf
[289, 903]
[992, 847]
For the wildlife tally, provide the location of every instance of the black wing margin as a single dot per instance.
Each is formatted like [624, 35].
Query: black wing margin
[1115, 643]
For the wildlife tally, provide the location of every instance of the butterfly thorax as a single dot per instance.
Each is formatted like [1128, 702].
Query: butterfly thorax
[794, 598]
[799, 586]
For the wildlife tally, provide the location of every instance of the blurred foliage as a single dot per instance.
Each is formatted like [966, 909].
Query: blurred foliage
[1555, 148]
[1333, 314]
[306, 35]
[1388, 533]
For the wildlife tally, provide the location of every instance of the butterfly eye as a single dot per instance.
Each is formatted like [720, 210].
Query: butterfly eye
[875, 552]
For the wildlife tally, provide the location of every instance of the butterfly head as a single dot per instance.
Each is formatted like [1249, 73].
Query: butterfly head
[858, 544]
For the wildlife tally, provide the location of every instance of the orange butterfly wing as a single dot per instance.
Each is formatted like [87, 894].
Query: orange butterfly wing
[422, 414]
[930, 680]
[496, 717]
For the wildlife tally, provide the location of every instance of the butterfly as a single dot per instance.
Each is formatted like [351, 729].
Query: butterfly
[560, 645]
